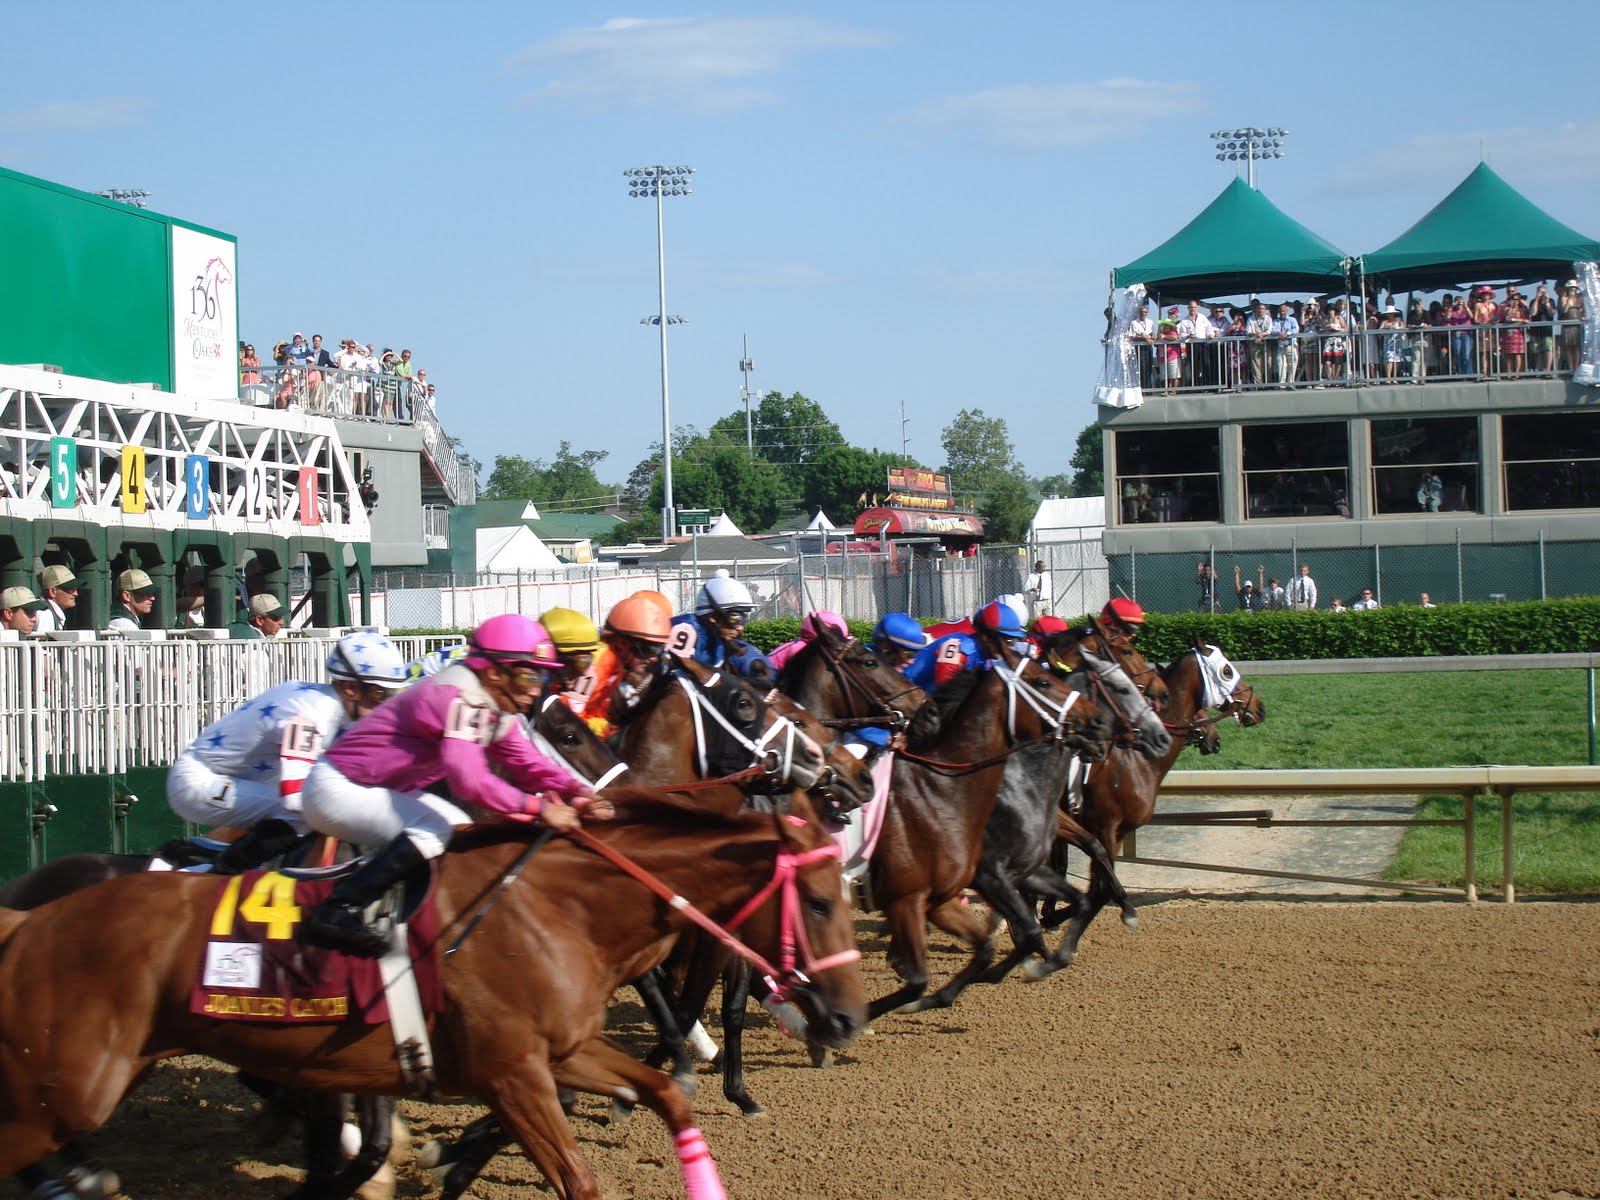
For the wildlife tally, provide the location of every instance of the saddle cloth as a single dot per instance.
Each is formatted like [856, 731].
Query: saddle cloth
[255, 968]
[859, 839]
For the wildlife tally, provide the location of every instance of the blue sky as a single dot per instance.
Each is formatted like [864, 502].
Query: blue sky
[893, 201]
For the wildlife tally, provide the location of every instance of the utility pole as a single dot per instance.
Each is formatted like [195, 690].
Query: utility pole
[745, 367]
[904, 421]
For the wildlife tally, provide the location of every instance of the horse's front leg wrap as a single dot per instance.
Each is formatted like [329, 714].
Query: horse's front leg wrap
[700, 1178]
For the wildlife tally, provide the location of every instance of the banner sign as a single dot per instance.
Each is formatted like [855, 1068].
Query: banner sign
[306, 485]
[196, 495]
[205, 316]
[133, 495]
[913, 479]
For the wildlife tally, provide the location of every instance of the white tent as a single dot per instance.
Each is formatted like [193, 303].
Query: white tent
[724, 527]
[514, 548]
[820, 523]
[1066, 534]
[1068, 519]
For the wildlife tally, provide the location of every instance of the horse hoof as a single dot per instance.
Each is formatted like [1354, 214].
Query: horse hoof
[431, 1155]
[621, 1110]
[349, 1140]
[1130, 919]
[821, 1056]
[92, 1182]
[688, 1084]
[441, 1174]
[380, 1186]
[399, 1141]
[1036, 969]
[751, 1110]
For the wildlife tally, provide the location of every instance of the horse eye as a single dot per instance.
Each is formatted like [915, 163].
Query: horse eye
[819, 906]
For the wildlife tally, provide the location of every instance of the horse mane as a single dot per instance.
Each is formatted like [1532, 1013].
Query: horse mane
[634, 806]
[944, 704]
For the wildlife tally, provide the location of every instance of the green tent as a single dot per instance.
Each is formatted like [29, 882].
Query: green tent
[1241, 243]
[1483, 230]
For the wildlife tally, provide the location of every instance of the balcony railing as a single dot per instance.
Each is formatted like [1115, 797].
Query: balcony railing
[1363, 358]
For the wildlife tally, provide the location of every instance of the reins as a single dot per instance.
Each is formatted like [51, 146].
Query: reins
[795, 957]
[852, 687]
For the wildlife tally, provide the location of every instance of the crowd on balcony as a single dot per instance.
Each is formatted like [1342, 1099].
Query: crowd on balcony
[1481, 333]
[357, 381]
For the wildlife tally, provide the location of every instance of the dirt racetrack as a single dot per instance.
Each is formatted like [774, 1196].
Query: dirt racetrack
[1226, 1049]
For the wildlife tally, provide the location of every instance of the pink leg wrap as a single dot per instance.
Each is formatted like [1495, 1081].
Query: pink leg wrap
[700, 1177]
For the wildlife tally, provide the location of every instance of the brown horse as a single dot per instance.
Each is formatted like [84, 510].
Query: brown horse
[846, 685]
[525, 995]
[1120, 795]
[940, 800]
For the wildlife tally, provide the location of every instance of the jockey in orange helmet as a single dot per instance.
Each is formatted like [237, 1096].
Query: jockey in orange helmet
[632, 643]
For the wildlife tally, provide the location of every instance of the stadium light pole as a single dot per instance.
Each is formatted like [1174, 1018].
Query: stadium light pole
[654, 183]
[1249, 145]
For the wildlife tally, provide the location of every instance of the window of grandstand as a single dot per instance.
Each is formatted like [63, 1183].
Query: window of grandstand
[1168, 475]
[1297, 471]
[1552, 460]
[1425, 465]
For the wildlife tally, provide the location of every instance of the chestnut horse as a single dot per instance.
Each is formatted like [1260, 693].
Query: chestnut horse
[1120, 795]
[940, 800]
[525, 995]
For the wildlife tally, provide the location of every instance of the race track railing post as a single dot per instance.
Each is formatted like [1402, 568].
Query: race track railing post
[1470, 847]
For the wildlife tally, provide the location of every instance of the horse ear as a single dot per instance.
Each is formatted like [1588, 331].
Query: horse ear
[798, 823]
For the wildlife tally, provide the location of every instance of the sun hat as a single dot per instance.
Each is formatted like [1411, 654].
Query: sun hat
[58, 576]
[21, 597]
[136, 581]
[265, 605]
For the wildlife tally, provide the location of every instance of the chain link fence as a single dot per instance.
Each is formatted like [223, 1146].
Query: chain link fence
[921, 580]
[1448, 572]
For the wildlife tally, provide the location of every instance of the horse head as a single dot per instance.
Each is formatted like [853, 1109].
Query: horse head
[1041, 704]
[1110, 643]
[733, 729]
[565, 735]
[841, 679]
[845, 782]
[1203, 679]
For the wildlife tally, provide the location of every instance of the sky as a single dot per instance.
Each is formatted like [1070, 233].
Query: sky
[894, 202]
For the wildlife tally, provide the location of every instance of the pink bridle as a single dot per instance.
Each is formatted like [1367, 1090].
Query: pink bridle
[796, 962]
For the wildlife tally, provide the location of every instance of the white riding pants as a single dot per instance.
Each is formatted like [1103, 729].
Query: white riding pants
[197, 793]
[374, 816]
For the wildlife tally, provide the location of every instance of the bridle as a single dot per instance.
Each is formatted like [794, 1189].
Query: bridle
[853, 688]
[774, 752]
[549, 748]
[1054, 717]
[797, 962]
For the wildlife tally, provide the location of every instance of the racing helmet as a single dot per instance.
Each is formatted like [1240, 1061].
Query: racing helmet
[571, 631]
[366, 656]
[638, 616]
[511, 638]
[999, 618]
[1123, 611]
[723, 594]
[1048, 626]
[820, 619]
[901, 629]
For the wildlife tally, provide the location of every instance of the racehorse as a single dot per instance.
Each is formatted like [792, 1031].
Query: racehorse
[940, 800]
[1120, 796]
[525, 995]
[323, 1114]
[846, 685]
[1015, 865]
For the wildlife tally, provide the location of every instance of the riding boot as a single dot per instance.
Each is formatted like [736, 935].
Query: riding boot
[340, 922]
[259, 844]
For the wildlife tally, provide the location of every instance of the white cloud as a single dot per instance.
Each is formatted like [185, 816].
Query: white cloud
[76, 116]
[1050, 116]
[708, 65]
[1553, 153]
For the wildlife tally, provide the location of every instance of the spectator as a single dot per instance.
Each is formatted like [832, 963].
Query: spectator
[1206, 580]
[1365, 603]
[1573, 314]
[1459, 318]
[1334, 329]
[60, 596]
[1541, 331]
[1484, 313]
[1426, 601]
[136, 596]
[19, 610]
[1197, 327]
[1038, 590]
[1170, 353]
[1249, 601]
[1513, 338]
[1394, 343]
[354, 378]
[403, 372]
[1417, 322]
[316, 378]
[1430, 490]
[428, 396]
[263, 618]
[191, 602]
[299, 352]
[1273, 597]
[1141, 334]
[1303, 591]
[1337, 606]
[1259, 330]
[387, 383]
[1287, 330]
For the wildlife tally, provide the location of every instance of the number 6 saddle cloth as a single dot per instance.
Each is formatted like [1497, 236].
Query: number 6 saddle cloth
[255, 968]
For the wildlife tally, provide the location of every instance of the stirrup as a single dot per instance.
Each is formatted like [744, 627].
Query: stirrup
[336, 926]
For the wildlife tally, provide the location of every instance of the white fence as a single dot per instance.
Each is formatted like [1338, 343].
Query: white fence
[90, 708]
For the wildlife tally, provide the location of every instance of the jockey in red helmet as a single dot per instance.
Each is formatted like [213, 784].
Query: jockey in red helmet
[1123, 616]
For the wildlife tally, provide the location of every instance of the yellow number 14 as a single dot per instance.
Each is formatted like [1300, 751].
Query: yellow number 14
[269, 904]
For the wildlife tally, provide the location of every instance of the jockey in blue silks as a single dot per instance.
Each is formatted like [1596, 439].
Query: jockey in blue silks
[713, 634]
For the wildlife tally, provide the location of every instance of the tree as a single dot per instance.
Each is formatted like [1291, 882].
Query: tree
[471, 464]
[716, 475]
[1059, 484]
[841, 475]
[1007, 507]
[568, 481]
[977, 450]
[1088, 477]
[787, 431]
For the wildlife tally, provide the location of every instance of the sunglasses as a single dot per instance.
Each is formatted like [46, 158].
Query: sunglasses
[525, 674]
[374, 694]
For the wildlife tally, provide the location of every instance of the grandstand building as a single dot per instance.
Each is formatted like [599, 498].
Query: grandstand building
[1455, 456]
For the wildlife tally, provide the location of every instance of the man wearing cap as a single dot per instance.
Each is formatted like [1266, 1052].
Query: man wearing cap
[60, 588]
[191, 602]
[1287, 330]
[299, 352]
[136, 596]
[19, 610]
[264, 618]
[351, 383]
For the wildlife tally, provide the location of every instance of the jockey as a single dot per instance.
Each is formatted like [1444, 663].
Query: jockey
[1043, 631]
[246, 769]
[633, 642]
[435, 661]
[712, 635]
[947, 656]
[460, 727]
[577, 641]
[897, 638]
[814, 621]
[1123, 617]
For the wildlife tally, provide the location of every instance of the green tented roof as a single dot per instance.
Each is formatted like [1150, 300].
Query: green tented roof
[1485, 229]
[1241, 243]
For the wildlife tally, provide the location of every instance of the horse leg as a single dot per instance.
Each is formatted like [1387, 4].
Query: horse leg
[735, 997]
[1099, 889]
[41, 1184]
[86, 1176]
[599, 1065]
[672, 1045]
[1069, 827]
[1026, 935]
[908, 953]
[524, 1101]
[954, 918]
[324, 1147]
[456, 1165]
